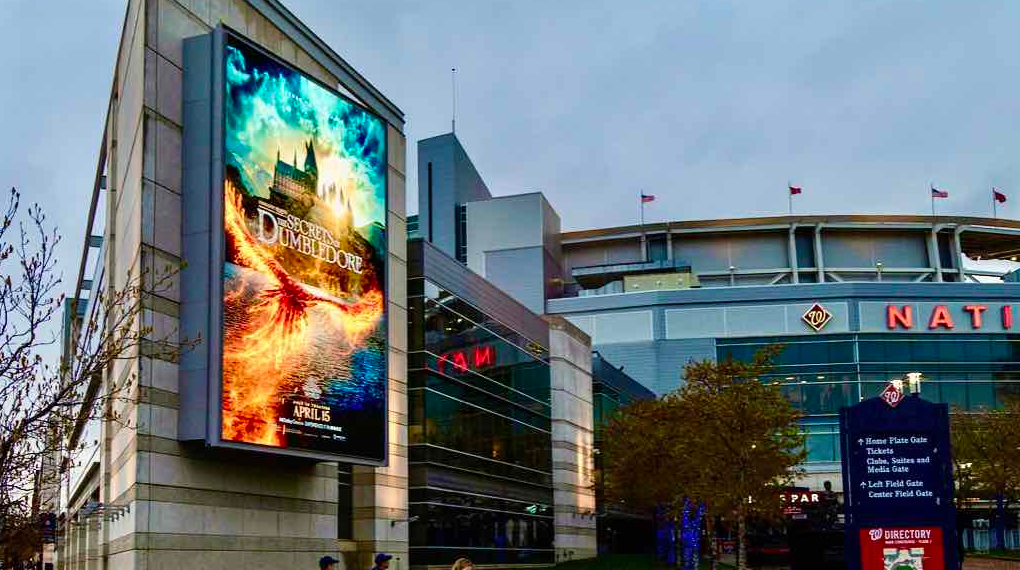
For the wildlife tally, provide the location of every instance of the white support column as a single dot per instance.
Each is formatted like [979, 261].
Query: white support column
[791, 248]
[959, 253]
[933, 253]
[819, 261]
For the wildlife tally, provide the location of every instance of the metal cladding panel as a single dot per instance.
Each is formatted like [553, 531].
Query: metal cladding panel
[454, 181]
[865, 248]
[426, 260]
[675, 355]
[504, 223]
[202, 160]
[609, 374]
[639, 360]
[519, 272]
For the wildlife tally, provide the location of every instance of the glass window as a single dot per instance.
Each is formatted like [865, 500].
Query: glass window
[826, 398]
[954, 394]
[925, 351]
[871, 351]
[821, 447]
[977, 351]
[980, 395]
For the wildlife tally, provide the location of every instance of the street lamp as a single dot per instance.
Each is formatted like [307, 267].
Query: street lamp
[914, 383]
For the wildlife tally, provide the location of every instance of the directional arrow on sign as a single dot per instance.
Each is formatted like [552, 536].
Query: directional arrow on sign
[860, 442]
[863, 484]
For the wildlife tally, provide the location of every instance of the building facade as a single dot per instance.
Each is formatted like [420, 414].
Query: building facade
[499, 413]
[141, 496]
[856, 300]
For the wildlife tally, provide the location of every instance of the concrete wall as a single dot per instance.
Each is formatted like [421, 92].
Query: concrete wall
[572, 440]
[190, 507]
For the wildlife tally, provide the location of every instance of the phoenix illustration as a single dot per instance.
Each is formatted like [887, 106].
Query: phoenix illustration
[283, 320]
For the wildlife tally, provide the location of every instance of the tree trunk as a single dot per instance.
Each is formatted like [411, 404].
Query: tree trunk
[1000, 521]
[678, 541]
[741, 539]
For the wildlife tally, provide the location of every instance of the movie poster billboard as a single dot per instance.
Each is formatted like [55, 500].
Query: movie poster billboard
[304, 301]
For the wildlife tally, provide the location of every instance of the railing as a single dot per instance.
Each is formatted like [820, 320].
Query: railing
[980, 539]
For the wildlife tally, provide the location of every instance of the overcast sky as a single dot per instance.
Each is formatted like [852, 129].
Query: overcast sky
[711, 106]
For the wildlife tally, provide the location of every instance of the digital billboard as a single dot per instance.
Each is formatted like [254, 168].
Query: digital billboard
[304, 340]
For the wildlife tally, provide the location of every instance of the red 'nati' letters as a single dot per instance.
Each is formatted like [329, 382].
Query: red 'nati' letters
[903, 317]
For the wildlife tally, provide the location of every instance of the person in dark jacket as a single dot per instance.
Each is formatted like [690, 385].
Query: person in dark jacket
[327, 563]
[382, 561]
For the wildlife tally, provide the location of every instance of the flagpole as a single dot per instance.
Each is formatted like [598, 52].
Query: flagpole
[644, 248]
[789, 194]
[995, 205]
[931, 192]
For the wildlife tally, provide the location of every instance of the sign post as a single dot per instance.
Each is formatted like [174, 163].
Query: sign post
[898, 484]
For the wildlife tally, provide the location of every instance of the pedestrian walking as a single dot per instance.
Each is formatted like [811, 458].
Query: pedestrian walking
[463, 564]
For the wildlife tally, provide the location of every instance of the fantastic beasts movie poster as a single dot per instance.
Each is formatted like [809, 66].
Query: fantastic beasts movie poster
[304, 319]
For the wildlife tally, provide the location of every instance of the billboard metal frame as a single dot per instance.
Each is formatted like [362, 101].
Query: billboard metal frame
[200, 416]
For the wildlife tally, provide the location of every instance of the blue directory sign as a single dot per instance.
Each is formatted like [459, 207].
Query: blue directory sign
[898, 484]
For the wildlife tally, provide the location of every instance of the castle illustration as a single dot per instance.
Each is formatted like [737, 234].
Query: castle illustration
[301, 186]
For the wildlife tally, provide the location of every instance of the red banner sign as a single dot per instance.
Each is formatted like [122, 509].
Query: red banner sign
[905, 547]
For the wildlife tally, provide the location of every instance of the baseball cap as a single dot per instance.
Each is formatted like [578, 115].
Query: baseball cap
[382, 557]
[326, 561]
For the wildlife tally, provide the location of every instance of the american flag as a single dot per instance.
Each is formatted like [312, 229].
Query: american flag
[645, 198]
[936, 193]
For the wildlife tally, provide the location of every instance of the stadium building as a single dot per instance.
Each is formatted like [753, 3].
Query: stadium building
[857, 300]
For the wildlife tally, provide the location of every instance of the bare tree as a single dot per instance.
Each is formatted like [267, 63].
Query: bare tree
[42, 403]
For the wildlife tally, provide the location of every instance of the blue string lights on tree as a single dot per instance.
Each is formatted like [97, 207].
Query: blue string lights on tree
[690, 534]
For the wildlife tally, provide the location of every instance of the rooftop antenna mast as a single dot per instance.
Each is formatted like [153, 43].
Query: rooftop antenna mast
[453, 83]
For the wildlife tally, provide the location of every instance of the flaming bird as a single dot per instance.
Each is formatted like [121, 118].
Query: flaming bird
[256, 364]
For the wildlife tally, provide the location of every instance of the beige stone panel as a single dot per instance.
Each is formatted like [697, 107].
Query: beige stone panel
[124, 561]
[168, 154]
[200, 9]
[397, 233]
[162, 327]
[132, 33]
[159, 374]
[295, 524]
[131, 94]
[397, 193]
[174, 24]
[125, 476]
[229, 12]
[223, 520]
[398, 368]
[127, 522]
[123, 441]
[169, 99]
[257, 522]
[288, 50]
[323, 526]
[397, 281]
[307, 64]
[192, 560]
[396, 153]
[397, 326]
[157, 420]
[177, 518]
